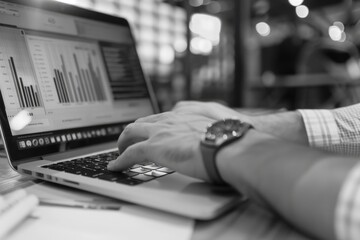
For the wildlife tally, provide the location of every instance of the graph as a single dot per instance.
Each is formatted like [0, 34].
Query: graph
[28, 95]
[89, 88]
[19, 87]
[71, 72]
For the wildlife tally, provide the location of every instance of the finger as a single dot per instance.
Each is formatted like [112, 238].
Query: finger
[191, 110]
[185, 104]
[203, 110]
[136, 153]
[155, 118]
[133, 133]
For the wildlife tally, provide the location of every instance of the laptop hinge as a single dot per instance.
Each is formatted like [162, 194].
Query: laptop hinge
[14, 164]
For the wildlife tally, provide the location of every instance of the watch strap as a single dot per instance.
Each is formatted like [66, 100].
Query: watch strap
[208, 154]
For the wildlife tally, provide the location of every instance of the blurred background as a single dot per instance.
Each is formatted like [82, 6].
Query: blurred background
[246, 53]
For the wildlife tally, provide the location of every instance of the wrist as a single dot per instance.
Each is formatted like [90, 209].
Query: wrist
[237, 161]
[286, 125]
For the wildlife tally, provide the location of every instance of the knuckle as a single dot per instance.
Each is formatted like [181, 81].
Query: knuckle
[177, 105]
[161, 117]
[180, 104]
[151, 118]
[142, 119]
[135, 152]
[130, 151]
[163, 134]
[125, 134]
[127, 130]
[166, 118]
[169, 115]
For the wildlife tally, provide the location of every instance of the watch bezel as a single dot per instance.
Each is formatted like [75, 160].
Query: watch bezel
[212, 139]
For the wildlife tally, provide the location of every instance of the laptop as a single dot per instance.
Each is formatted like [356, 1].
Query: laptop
[70, 82]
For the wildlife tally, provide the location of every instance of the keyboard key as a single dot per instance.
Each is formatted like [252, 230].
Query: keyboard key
[129, 181]
[143, 177]
[112, 177]
[152, 166]
[72, 170]
[166, 170]
[130, 174]
[136, 166]
[139, 170]
[155, 173]
[57, 167]
[88, 173]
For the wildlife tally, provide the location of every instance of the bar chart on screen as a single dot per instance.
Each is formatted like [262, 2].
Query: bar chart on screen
[29, 96]
[19, 86]
[71, 72]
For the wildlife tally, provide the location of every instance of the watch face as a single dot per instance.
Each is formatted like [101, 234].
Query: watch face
[224, 131]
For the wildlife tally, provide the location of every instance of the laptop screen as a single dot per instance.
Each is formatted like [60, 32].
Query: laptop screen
[69, 78]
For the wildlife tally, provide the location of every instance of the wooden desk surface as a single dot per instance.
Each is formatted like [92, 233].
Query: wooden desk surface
[246, 222]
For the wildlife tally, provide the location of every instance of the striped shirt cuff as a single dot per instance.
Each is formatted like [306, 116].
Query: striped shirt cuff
[321, 128]
[347, 212]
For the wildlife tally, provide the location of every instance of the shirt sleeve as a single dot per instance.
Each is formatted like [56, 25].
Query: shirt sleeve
[347, 212]
[334, 130]
[339, 131]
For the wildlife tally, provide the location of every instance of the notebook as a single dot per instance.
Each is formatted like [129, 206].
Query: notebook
[71, 80]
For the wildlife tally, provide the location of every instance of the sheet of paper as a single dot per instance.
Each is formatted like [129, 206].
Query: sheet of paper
[130, 222]
[55, 193]
[59, 223]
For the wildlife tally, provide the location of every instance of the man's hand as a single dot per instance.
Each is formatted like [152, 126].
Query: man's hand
[211, 110]
[169, 139]
[285, 125]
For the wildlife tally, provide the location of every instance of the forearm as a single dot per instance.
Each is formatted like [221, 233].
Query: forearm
[285, 125]
[300, 183]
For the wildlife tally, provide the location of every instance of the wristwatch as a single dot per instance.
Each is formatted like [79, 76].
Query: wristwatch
[217, 135]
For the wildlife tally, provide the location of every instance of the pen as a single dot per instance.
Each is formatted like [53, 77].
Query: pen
[76, 204]
[17, 207]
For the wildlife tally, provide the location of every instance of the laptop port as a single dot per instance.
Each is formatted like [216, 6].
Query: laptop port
[39, 175]
[71, 182]
[28, 172]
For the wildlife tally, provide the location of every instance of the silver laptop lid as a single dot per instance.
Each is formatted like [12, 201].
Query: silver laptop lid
[70, 78]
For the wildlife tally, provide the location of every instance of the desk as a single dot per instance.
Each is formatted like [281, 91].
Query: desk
[246, 222]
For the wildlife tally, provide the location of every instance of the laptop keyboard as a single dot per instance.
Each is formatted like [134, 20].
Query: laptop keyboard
[96, 167]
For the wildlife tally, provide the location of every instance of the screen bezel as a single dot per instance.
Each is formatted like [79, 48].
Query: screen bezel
[10, 141]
